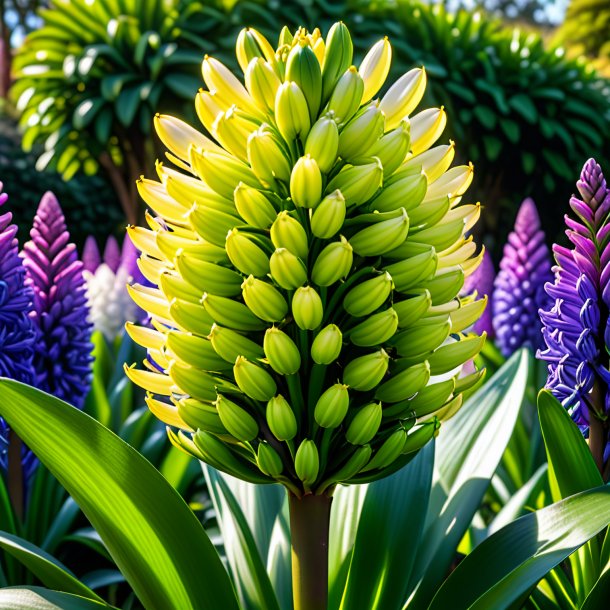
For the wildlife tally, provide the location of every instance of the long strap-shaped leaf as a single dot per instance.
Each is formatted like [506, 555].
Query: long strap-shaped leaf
[46, 568]
[154, 538]
[506, 565]
[37, 598]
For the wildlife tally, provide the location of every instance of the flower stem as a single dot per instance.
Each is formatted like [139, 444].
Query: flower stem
[309, 525]
[597, 441]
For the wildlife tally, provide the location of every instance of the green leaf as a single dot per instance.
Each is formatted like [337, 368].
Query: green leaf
[250, 577]
[45, 567]
[600, 594]
[571, 465]
[37, 598]
[505, 566]
[389, 531]
[523, 105]
[148, 529]
[468, 451]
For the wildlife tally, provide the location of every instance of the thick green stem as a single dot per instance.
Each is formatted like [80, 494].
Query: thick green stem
[309, 525]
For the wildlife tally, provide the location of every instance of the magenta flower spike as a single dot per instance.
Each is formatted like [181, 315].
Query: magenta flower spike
[519, 286]
[63, 349]
[577, 326]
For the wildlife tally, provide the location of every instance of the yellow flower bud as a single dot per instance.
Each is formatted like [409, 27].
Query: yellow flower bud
[426, 128]
[253, 380]
[346, 96]
[306, 183]
[267, 158]
[361, 133]
[358, 183]
[287, 269]
[281, 352]
[291, 112]
[375, 68]
[392, 148]
[323, 143]
[403, 96]
[328, 217]
[254, 207]
[252, 44]
[307, 308]
[327, 345]
[246, 255]
[262, 82]
[333, 263]
[264, 300]
[287, 232]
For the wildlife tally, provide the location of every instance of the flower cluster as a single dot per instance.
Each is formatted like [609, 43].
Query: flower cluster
[305, 268]
[482, 282]
[62, 358]
[107, 278]
[577, 328]
[519, 286]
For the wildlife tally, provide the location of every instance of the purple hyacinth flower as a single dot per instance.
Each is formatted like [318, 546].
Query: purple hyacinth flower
[577, 326]
[112, 254]
[91, 255]
[129, 261]
[519, 286]
[63, 348]
[482, 281]
[17, 335]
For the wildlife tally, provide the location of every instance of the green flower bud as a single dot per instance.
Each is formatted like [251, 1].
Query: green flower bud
[449, 357]
[392, 148]
[200, 415]
[411, 310]
[281, 419]
[368, 296]
[192, 381]
[307, 308]
[323, 143]
[328, 217]
[253, 380]
[285, 38]
[365, 424]
[407, 193]
[262, 83]
[195, 351]
[376, 329]
[230, 313]
[381, 237]
[267, 158]
[287, 269]
[191, 317]
[431, 398]
[333, 263]
[229, 344]
[281, 352]
[291, 112]
[252, 44]
[306, 183]
[356, 462]
[307, 462]
[254, 207]
[405, 384]
[422, 436]
[246, 255]
[211, 224]
[208, 277]
[338, 57]
[423, 337]
[331, 408]
[238, 422]
[410, 272]
[303, 67]
[264, 300]
[346, 96]
[388, 452]
[361, 133]
[287, 232]
[269, 461]
[365, 373]
[358, 183]
[327, 345]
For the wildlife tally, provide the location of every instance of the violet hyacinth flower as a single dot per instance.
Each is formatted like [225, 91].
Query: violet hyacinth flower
[519, 286]
[482, 280]
[91, 255]
[63, 347]
[577, 328]
[17, 336]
